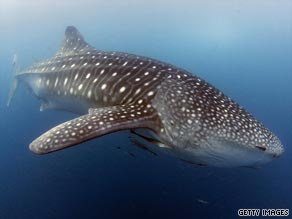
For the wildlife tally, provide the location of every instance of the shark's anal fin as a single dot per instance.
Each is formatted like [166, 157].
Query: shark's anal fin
[97, 123]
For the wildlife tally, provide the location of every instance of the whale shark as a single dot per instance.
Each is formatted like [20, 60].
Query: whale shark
[172, 110]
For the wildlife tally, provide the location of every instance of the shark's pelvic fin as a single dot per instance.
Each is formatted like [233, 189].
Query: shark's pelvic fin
[44, 105]
[98, 122]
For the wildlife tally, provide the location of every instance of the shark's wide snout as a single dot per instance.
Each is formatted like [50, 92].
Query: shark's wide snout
[274, 147]
[226, 153]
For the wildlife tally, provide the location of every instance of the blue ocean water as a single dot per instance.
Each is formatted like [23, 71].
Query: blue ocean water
[243, 48]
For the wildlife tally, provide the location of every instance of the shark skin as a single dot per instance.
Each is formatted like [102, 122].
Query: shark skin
[184, 115]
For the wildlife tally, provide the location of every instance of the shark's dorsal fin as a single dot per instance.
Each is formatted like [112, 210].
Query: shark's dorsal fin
[73, 43]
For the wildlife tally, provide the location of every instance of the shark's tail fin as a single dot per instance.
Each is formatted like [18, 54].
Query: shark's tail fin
[14, 83]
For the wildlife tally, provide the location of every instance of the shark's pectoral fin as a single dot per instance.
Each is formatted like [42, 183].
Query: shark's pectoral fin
[98, 122]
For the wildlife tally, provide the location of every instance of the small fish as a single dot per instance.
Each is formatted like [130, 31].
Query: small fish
[188, 117]
[131, 154]
[202, 201]
[142, 146]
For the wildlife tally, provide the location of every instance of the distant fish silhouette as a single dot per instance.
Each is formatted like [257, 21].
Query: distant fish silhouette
[201, 201]
[142, 145]
[187, 116]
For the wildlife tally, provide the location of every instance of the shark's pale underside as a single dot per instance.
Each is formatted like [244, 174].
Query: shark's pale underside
[185, 116]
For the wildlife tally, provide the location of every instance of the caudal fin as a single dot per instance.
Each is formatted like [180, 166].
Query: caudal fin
[14, 83]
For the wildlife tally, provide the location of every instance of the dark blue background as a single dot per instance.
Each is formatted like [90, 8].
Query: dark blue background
[244, 49]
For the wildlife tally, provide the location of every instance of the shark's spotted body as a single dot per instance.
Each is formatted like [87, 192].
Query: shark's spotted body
[186, 116]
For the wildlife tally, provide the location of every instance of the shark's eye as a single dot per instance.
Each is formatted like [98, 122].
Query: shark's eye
[261, 148]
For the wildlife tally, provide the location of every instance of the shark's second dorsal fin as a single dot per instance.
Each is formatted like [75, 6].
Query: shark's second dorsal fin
[73, 43]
